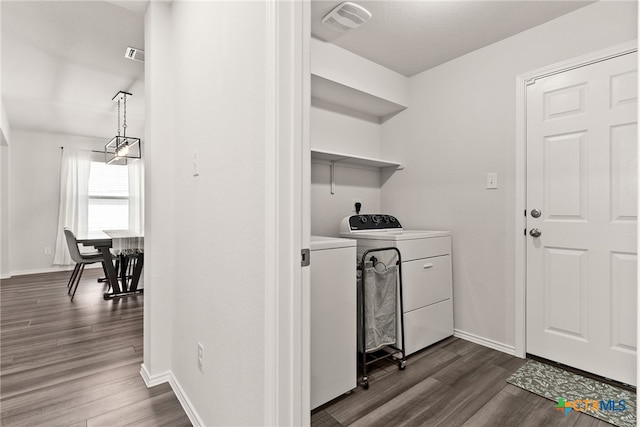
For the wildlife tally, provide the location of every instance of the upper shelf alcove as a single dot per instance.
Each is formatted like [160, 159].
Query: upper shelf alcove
[342, 79]
[352, 99]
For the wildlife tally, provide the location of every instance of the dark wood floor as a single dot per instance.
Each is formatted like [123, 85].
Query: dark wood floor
[452, 383]
[75, 363]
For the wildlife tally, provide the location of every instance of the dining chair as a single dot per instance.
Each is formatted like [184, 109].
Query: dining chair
[80, 258]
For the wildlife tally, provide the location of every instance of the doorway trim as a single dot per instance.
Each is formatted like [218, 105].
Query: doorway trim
[522, 81]
[287, 179]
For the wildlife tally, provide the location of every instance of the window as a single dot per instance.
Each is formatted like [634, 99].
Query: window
[108, 197]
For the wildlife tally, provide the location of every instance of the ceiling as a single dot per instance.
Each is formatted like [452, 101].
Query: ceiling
[412, 36]
[63, 61]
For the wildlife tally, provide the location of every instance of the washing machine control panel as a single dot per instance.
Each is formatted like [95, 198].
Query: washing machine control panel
[373, 222]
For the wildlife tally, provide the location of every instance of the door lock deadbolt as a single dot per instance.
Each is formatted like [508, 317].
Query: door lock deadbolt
[536, 213]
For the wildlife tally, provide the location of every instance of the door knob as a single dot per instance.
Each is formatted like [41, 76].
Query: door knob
[535, 232]
[536, 213]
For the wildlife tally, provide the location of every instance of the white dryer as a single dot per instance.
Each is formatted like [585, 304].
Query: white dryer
[427, 294]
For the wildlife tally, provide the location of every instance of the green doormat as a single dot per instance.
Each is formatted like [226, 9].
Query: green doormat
[573, 392]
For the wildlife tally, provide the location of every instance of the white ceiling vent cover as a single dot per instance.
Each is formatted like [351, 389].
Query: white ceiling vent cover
[346, 17]
[135, 54]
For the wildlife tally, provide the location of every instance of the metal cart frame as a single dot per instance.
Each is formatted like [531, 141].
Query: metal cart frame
[399, 316]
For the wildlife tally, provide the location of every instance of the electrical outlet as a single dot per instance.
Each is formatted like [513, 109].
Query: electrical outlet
[201, 357]
[47, 250]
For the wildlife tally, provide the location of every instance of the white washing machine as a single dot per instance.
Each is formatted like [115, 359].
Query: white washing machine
[427, 292]
[333, 318]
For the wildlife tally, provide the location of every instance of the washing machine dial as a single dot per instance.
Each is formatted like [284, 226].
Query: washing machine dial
[392, 218]
[362, 218]
[375, 219]
[386, 219]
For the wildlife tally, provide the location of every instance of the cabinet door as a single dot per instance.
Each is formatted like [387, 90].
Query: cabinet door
[425, 281]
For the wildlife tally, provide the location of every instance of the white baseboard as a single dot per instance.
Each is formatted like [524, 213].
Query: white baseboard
[153, 380]
[509, 349]
[52, 269]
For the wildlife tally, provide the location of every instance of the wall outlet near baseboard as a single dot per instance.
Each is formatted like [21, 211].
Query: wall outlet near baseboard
[47, 250]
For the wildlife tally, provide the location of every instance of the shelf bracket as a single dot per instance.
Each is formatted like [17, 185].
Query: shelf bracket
[332, 174]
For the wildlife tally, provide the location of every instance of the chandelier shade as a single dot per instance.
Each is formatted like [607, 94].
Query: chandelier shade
[121, 148]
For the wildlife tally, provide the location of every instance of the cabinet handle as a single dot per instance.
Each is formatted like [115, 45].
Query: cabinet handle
[428, 265]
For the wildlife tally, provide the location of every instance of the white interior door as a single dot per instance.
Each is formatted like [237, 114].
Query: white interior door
[582, 177]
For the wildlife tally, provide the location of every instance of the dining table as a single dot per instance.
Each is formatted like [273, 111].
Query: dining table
[125, 245]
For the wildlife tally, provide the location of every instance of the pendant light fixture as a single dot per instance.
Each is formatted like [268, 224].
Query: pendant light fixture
[122, 147]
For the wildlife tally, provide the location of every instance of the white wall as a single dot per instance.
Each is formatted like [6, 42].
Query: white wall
[5, 266]
[328, 210]
[214, 275]
[339, 65]
[333, 131]
[34, 196]
[5, 127]
[5, 137]
[460, 124]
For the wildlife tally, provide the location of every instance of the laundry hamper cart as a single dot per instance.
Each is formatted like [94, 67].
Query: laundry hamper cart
[380, 323]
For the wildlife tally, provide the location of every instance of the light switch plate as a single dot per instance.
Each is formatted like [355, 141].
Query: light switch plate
[195, 164]
[201, 357]
[492, 180]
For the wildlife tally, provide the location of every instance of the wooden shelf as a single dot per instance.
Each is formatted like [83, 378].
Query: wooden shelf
[351, 159]
[353, 99]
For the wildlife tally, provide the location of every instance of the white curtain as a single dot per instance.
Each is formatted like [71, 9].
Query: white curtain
[136, 196]
[74, 199]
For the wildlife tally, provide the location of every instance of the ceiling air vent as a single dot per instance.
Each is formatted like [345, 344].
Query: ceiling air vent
[346, 17]
[135, 54]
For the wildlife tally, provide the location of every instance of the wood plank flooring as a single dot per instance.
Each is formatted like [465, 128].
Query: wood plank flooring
[452, 383]
[75, 363]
